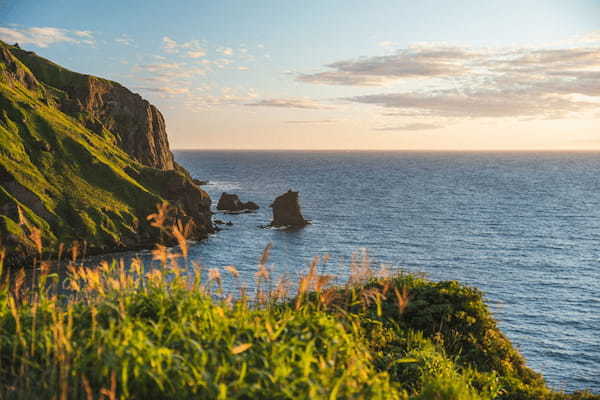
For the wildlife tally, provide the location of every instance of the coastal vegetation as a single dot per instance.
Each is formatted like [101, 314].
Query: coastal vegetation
[83, 158]
[83, 161]
[178, 330]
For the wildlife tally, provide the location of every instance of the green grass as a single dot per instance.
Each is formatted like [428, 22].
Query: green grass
[82, 172]
[79, 184]
[122, 332]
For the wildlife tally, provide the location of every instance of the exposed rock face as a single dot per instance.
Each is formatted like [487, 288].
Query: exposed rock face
[138, 125]
[23, 195]
[286, 210]
[189, 203]
[250, 205]
[93, 161]
[13, 73]
[192, 201]
[231, 202]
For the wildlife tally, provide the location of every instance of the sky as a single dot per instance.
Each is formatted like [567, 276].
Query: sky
[329, 74]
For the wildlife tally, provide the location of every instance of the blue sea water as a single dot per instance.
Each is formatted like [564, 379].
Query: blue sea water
[522, 227]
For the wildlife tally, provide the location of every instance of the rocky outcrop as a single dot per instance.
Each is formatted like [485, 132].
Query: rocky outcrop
[85, 159]
[13, 72]
[250, 205]
[23, 195]
[189, 203]
[232, 203]
[229, 202]
[286, 210]
[138, 126]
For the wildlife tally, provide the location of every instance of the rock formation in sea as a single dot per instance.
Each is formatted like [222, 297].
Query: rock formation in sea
[231, 203]
[250, 205]
[84, 158]
[286, 210]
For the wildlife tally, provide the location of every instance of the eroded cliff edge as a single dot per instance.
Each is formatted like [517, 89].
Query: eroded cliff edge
[84, 158]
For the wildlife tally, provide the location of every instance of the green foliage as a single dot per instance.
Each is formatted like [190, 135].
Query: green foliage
[72, 183]
[164, 339]
[159, 334]
[438, 340]
[456, 316]
[46, 71]
[125, 333]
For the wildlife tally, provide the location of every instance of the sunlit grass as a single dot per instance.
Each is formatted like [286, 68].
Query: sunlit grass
[123, 331]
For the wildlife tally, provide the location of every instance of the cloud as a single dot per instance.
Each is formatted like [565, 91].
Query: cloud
[318, 121]
[169, 45]
[159, 67]
[302, 103]
[170, 70]
[405, 63]
[467, 82]
[410, 127]
[166, 78]
[193, 48]
[477, 104]
[85, 34]
[125, 40]
[222, 62]
[591, 37]
[227, 97]
[225, 51]
[165, 90]
[196, 54]
[45, 36]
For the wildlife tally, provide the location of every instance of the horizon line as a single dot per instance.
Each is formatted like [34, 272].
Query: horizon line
[595, 150]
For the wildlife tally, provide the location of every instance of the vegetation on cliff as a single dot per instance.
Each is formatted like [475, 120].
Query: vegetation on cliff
[124, 332]
[83, 158]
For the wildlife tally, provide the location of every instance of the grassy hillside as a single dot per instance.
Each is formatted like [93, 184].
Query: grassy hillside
[124, 333]
[60, 177]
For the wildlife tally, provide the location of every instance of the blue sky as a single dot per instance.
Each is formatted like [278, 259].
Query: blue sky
[338, 74]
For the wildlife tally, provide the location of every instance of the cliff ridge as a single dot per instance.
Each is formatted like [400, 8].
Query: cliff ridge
[84, 159]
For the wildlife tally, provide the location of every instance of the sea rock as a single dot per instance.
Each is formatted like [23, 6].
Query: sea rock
[231, 203]
[286, 210]
[250, 205]
[199, 182]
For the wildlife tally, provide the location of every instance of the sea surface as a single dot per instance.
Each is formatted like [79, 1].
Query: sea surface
[522, 227]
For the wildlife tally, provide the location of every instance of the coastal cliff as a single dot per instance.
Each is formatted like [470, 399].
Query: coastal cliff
[138, 127]
[84, 159]
[156, 334]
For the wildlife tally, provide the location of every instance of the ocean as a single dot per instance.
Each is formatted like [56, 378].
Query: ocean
[523, 227]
